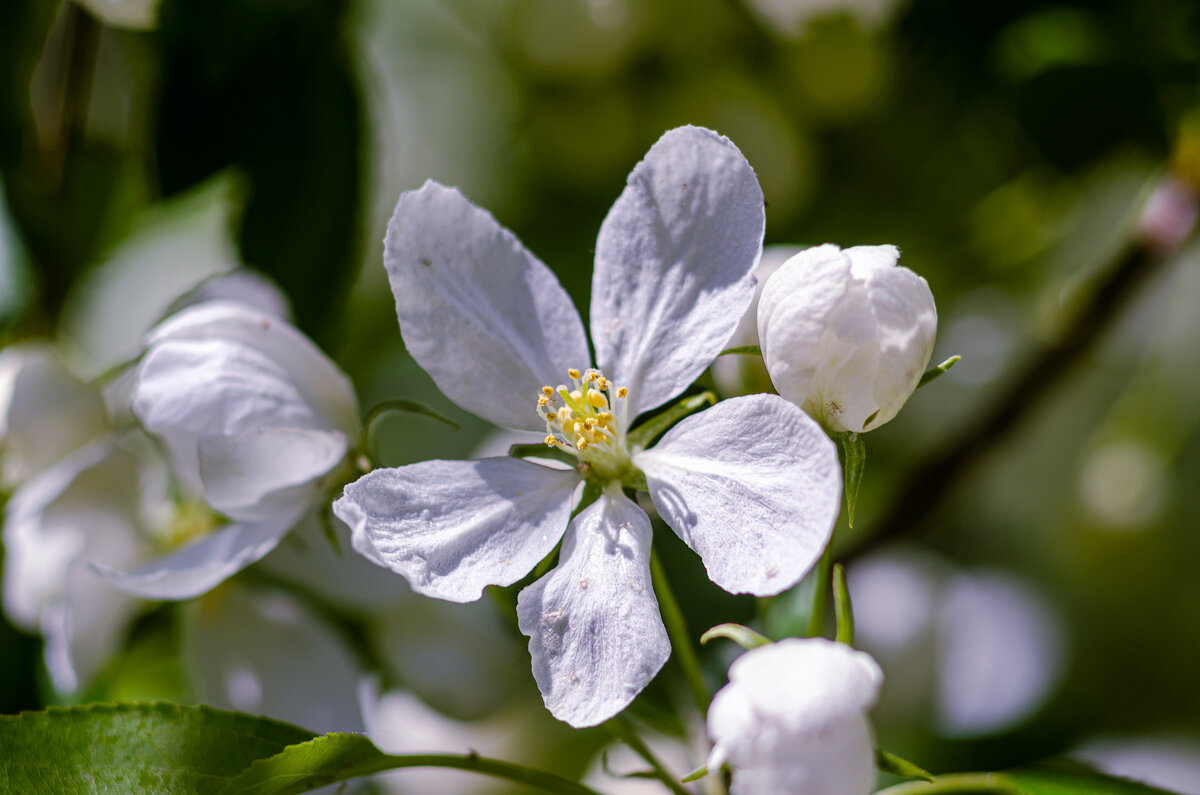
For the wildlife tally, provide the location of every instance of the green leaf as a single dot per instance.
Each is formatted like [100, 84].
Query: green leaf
[1063, 777]
[134, 747]
[392, 407]
[899, 766]
[657, 425]
[841, 606]
[747, 350]
[1049, 778]
[338, 757]
[854, 461]
[741, 635]
[934, 373]
[695, 775]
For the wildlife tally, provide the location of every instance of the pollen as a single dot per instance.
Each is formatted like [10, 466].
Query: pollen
[583, 420]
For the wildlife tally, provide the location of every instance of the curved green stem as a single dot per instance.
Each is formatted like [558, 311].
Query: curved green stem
[677, 630]
[961, 782]
[624, 731]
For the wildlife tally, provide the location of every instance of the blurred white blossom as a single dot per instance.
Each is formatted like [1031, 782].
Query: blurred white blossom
[793, 718]
[846, 334]
[256, 419]
[751, 484]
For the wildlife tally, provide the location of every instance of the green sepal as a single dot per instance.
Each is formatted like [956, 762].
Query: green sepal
[854, 461]
[934, 373]
[738, 633]
[841, 606]
[657, 425]
[695, 775]
[745, 350]
[539, 450]
[899, 766]
[406, 407]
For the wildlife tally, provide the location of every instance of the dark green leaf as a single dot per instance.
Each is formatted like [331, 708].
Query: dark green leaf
[134, 747]
[1070, 778]
[338, 757]
[540, 450]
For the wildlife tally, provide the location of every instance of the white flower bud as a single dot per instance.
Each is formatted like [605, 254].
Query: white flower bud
[793, 718]
[846, 334]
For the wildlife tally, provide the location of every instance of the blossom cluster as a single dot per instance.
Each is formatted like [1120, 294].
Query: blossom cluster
[234, 433]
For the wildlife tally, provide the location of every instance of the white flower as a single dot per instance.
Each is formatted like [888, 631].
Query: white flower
[45, 411]
[793, 719]
[87, 506]
[752, 484]
[256, 418]
[846, 335]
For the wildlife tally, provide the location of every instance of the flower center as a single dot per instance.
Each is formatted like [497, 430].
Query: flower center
[587, 420]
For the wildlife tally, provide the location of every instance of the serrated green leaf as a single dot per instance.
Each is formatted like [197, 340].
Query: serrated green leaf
[657, 425]
[134, 747]
[741, 635]
[339, 757]
[934, 373]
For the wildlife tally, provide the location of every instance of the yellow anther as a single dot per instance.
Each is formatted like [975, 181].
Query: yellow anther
[597, 400]
[551, 417]
[550, 440]
[589, 423]
[572, 373]
[543, 400]
[548, 391]
[605, 418]
[582, 444]
[622, 392]
[602, 383]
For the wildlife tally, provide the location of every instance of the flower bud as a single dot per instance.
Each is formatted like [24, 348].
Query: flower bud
[846, 334]
[793, 718]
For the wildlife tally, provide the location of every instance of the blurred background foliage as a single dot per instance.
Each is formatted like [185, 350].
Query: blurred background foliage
[1047, 602]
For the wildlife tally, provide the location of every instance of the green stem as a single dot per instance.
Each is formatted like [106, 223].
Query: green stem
[624, 731]
[547, 782]
[820, 606]
[678, 632]
[961, 782]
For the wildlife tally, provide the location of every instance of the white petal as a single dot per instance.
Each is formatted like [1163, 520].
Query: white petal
[83, 507]
[201, 565]
[595, 633]
[255, 475]
[477, 310]
[262, 652]
[793, 719]
[753, 486]
[45, 411]
[453, 527]
[228, 341]
[673, 264]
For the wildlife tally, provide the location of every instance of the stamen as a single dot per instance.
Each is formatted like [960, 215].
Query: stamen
[573, 374]
[597, 400]
[551, 440]
[543, 400]
[548, 391]
[622, 392]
